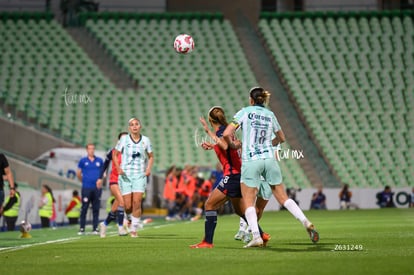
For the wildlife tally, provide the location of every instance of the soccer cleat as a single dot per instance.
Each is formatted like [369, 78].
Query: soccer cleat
[313, 234]
[127, 225]
[81, 231]
[122, 231]
[203, 244]
[247, 237]
[239, 236]
[95, 232]
[102, 230]
[265, 237]
[258, 242]
[133, 234]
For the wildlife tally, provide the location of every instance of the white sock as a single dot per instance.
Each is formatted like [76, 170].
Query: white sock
[251, 218]
[243, 224]
[296, 211]
[135, 222]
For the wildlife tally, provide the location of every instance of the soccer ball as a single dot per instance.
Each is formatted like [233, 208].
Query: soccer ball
[184, 44]
[25, 227]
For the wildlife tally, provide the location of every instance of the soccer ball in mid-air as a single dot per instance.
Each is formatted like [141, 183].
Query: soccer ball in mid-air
[184, 44]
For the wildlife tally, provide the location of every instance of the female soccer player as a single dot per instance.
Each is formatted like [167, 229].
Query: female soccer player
[258, 124]
[135, 167]
[117, 209]
[229, 186]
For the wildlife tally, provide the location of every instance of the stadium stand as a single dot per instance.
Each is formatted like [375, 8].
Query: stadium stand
[49, 79]
[175, 90]
[351, 76]
[217, 77]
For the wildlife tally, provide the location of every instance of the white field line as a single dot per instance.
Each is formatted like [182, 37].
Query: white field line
[14, 248]
[66, 240]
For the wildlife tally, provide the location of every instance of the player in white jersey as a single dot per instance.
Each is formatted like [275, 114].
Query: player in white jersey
[135, 167]
[258, 124]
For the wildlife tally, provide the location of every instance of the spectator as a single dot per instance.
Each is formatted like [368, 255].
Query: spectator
[182, 199]
[46, 206]
[5, 171]
[170, 190]
[72, 212]
[190, 191]
[11, 209]
[318, 199]
[197, 206]
[385, 198]
[345, 198]
[89, 169]
[206, 189]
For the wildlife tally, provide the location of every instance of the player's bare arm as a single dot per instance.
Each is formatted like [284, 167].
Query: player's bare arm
[115, 154]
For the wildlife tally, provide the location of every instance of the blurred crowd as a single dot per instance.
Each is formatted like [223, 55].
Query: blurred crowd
[186, 190]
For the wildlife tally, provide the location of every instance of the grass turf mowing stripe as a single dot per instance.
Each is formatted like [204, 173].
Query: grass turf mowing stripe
[387, 237]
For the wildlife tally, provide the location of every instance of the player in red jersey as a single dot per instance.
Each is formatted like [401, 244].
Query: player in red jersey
[229, 186]
[117, 209]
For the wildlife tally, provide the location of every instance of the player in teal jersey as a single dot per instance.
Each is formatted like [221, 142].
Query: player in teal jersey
[258, 124]
[135, 167]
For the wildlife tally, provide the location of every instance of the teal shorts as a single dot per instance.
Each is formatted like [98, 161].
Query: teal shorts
[132, 184]
[253, 171]
[265, 192]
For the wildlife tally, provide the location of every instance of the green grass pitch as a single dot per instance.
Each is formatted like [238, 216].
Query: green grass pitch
[352, 242]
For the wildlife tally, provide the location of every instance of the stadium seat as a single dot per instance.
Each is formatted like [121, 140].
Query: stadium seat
[352, 78]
